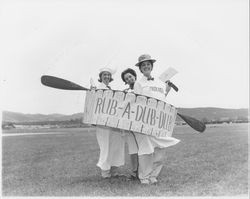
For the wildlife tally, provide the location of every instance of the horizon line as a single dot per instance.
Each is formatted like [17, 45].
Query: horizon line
[83, 112]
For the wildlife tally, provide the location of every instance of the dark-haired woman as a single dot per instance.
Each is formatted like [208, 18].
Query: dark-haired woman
[129, 77]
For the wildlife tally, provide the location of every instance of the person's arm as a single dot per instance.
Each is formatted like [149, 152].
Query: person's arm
[137, 88]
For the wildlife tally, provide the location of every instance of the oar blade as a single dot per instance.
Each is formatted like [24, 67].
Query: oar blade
[194, 123]
[60, 83]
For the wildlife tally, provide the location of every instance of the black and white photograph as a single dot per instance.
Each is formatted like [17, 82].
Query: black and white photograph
[115, 98]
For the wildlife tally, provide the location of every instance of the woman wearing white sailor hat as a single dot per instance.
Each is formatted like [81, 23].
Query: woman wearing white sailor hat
[110, 141]
[105, 75]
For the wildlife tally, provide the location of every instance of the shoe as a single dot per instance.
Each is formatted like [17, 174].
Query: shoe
[153, 180]
[114, 171]
[105, 174]
[116, 174]
[133, 176]
[145, 181]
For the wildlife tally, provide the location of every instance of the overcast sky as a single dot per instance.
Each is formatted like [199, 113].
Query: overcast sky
[206, 41]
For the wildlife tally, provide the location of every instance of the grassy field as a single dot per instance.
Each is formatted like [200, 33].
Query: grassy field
[214, 163]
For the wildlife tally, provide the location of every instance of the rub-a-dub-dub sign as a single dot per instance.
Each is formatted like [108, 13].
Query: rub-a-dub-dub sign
[129, 111]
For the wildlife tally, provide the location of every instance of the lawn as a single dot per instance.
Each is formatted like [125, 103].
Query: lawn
[214, 163]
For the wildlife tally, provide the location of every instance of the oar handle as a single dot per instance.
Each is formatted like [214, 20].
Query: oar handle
[171, 84]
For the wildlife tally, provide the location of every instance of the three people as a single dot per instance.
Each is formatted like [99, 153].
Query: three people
[146, 152]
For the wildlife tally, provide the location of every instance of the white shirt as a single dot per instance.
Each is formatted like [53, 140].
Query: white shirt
[151, 88]
[102, 86]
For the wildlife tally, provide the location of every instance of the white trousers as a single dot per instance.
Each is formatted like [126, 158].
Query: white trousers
[131, 142]
[111, 146]
[151, 154]
[150, 165]
[132, 150]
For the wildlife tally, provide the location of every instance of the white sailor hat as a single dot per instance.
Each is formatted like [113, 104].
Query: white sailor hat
[106, 69]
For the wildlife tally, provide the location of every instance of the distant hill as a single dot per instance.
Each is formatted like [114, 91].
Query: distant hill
[210, 113]
[21, 117]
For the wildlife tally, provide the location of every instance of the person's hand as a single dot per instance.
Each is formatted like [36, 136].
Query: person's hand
[168, 88]
[92, 87]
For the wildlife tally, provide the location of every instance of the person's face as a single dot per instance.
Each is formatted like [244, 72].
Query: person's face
[146, 68]
[106, 77]
[129, 78]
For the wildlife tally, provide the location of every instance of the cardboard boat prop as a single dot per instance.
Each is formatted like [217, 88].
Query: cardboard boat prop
[129, 111]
